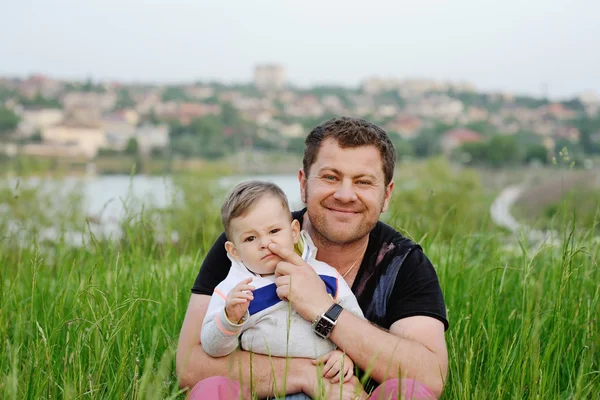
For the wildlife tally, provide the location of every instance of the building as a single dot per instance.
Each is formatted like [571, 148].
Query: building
[152, 137]
[455, 138]
[118, 129]
[34, 120]
[103, 102]
[269, 77]
[406, 126]
[83, 138]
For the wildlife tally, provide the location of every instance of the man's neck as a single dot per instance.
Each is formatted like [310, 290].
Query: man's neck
[339, 256]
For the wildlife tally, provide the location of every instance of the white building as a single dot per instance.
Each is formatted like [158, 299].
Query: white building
[269, 77]
[37, 119]
[84, 138]
[152, 137]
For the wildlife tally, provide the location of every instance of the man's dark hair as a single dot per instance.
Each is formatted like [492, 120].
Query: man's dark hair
[350, 132]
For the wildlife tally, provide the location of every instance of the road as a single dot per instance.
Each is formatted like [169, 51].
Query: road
[501, 216]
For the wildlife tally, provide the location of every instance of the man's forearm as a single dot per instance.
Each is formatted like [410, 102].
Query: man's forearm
[386, 355]
[259, 373]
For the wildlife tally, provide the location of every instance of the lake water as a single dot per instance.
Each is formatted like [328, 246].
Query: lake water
[108, 198]
[105, 197]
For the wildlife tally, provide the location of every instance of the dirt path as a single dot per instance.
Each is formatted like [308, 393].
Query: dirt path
[501, 216]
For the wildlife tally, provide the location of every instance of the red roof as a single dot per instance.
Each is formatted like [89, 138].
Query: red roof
[464, 135]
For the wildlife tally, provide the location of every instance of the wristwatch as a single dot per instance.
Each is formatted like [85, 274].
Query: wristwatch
[324, 323]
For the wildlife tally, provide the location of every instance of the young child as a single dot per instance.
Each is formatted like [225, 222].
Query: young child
[255, 214]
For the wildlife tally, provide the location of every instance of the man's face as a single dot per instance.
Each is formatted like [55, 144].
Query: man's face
[267, 222]
[345, 191]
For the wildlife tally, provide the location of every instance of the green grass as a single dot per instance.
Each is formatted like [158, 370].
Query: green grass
[102, 321]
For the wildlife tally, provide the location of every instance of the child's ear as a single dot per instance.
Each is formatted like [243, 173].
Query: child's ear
[231, 250]
[295, 230]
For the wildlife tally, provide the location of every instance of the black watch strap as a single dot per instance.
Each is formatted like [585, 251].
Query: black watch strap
[334, 312]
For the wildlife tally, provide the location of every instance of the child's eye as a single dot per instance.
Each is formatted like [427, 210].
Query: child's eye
[275, 230]
[250, 239]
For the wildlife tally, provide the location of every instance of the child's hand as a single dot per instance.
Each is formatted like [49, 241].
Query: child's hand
[333, 369]
[238, 301]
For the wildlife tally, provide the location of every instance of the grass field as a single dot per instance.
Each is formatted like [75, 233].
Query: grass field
[102, 321]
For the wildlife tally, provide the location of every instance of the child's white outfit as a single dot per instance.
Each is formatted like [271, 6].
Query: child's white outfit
[269, 319]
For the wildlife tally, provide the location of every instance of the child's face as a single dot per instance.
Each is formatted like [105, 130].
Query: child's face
[267, 222]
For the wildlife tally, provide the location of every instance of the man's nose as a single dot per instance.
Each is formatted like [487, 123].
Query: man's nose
[345, 192]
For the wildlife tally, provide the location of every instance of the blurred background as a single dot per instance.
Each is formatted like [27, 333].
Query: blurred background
[116, 98]
[123, 123]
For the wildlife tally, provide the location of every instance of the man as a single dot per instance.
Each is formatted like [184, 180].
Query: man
[346, 183]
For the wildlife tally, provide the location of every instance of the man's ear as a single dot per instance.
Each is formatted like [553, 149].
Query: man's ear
[295, 230]
[388, 196]
[302, 179]
[231, 250]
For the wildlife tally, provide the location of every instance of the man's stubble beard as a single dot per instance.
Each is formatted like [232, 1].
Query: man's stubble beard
[328, 240]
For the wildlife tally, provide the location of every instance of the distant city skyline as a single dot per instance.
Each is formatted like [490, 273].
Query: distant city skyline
[534, 48]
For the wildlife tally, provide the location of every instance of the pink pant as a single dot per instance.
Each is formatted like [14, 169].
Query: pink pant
[222, 388]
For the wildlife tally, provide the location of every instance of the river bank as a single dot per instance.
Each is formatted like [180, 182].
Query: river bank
[240, 163]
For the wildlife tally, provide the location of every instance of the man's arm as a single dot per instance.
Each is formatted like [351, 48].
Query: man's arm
[193, 364]
[415, 347]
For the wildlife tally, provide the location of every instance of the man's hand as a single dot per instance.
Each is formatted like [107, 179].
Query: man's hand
[238, 300]
[337, 365]
[298, 283]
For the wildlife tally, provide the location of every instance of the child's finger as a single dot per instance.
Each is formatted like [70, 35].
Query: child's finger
[349, 375]
[322, 359]
[243, 288]
[331, 368]
[243, 295]
[244, 284]
[235, 301]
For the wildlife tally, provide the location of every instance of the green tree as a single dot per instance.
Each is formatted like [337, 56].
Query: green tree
[230, 115]
[389, 97]
[296, 145]
[124, 99]
[403, 147]
[588, 127]
[186, 145]
[8, 121]
[473, 152]
[132, 146]
[531, 102]
[536, 152]
[482, 127]
[174, 93]
[426, 144]
[40, 101]
[503, 150]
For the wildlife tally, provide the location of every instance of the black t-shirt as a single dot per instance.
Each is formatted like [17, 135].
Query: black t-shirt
[395, 280]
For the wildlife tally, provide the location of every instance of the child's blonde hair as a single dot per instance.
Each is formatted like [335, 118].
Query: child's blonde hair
[244, 196]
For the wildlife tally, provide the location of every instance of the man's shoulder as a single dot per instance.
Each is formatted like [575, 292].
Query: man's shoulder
[388, 246]
[384, 234]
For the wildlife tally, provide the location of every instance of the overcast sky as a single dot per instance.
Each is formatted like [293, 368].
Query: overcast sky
[512, 45]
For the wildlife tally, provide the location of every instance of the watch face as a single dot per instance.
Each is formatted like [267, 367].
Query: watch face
[323, 327]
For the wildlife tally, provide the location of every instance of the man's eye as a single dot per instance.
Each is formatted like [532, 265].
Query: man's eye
[329, 177]
[250, 239]
[364, 182]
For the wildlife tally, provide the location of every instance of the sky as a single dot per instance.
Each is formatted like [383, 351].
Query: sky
[529, 47]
